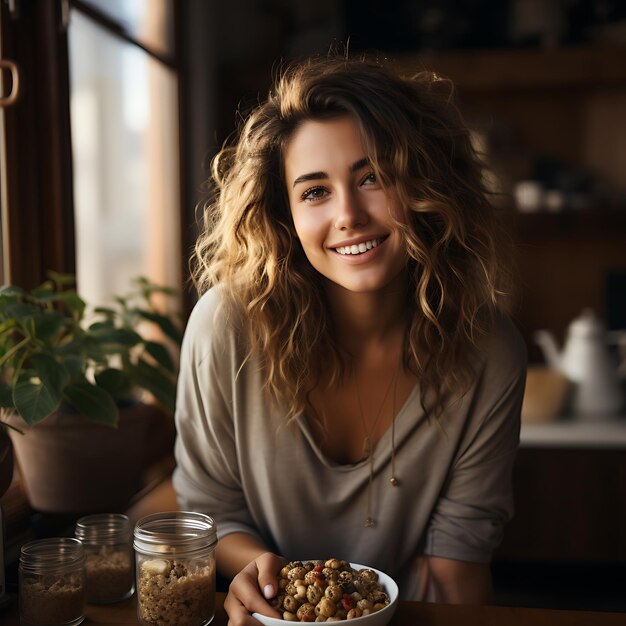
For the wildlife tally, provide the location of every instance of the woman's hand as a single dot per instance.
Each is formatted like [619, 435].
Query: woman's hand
[252, 589]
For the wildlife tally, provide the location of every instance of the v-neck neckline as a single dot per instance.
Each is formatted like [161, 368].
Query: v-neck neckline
[382, 444]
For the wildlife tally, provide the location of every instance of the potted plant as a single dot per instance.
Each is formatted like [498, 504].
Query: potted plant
[72, 381]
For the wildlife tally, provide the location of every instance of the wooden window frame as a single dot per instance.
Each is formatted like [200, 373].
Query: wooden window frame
[39, 185]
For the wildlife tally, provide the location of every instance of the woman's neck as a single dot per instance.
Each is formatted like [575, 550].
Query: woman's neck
[369, 322]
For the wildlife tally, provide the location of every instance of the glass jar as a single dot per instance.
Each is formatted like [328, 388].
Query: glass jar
[175, 563]
[52, 582]
[109, 562]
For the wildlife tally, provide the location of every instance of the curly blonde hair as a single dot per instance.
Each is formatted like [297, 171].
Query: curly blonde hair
[417, 142]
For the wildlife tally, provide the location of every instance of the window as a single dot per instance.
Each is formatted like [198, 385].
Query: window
[123, 113]
[91, 150]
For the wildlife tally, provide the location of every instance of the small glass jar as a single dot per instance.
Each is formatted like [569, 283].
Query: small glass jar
[175, 563]
[52, 582]
[109, 561]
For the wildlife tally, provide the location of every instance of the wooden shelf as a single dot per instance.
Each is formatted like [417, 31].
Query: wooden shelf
[588, 67]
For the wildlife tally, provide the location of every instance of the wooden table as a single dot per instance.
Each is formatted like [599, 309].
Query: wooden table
[407, 614]
[162, 498]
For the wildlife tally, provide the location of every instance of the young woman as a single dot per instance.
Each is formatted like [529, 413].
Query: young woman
[350, 386]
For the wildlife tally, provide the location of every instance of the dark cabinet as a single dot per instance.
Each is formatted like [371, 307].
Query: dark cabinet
[570, 507]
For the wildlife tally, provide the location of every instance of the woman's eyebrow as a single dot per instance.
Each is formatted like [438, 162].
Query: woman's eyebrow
[312, 176]
[357, 165]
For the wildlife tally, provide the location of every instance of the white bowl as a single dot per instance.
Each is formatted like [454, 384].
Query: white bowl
[380, 618]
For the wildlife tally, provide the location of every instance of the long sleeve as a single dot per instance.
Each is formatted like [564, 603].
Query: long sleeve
[207, 476]
[476, 499]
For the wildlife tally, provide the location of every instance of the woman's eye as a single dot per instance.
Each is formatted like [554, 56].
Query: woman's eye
[314, 193]
[369, 179]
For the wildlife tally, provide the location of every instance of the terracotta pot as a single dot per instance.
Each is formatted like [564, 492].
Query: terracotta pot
[6, 461]
[70, 465]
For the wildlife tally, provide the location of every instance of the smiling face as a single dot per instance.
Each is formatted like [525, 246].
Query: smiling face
[342, 216]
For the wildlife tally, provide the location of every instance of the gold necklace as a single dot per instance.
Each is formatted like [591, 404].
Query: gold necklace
[368, 449]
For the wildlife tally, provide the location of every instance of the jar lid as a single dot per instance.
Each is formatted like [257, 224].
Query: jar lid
[175, 532]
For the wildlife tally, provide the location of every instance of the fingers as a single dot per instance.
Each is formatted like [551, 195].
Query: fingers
[268, 566]
[251, 589]
[237, 613]
[247, 593]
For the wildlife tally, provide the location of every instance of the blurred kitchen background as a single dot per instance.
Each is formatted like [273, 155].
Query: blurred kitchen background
[122, 104]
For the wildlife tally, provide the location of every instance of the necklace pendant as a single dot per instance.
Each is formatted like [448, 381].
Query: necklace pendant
[370, 522]
[367, 446]
[394, 481]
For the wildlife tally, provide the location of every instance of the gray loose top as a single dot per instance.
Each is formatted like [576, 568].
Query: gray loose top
[239, 461]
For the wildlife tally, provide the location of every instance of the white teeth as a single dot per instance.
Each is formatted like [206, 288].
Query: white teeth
[360, 248]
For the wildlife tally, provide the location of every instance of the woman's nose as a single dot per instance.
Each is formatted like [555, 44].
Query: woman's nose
[349, 213]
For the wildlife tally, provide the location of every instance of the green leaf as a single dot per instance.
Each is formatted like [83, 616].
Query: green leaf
[74, 365]
[21, 311]
[116, 382]
[5, 301]
[45, 292]
[11, 290]
[63, 280]
[52, 373]
[10, 295]
[71, 347]
[163, 322]
[147, 288]
[94, 403]
[117, 336]
[74, 303]
[109, 313]
[48, 325]
[160, 354]
[157, 383]
[12, 354]
[7, 326]
[96, 326]
[32, 399]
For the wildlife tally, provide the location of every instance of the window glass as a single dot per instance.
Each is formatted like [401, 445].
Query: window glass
[124, 123]
[149, 21]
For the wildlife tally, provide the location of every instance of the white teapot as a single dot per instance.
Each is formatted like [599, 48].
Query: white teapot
[588, 363]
